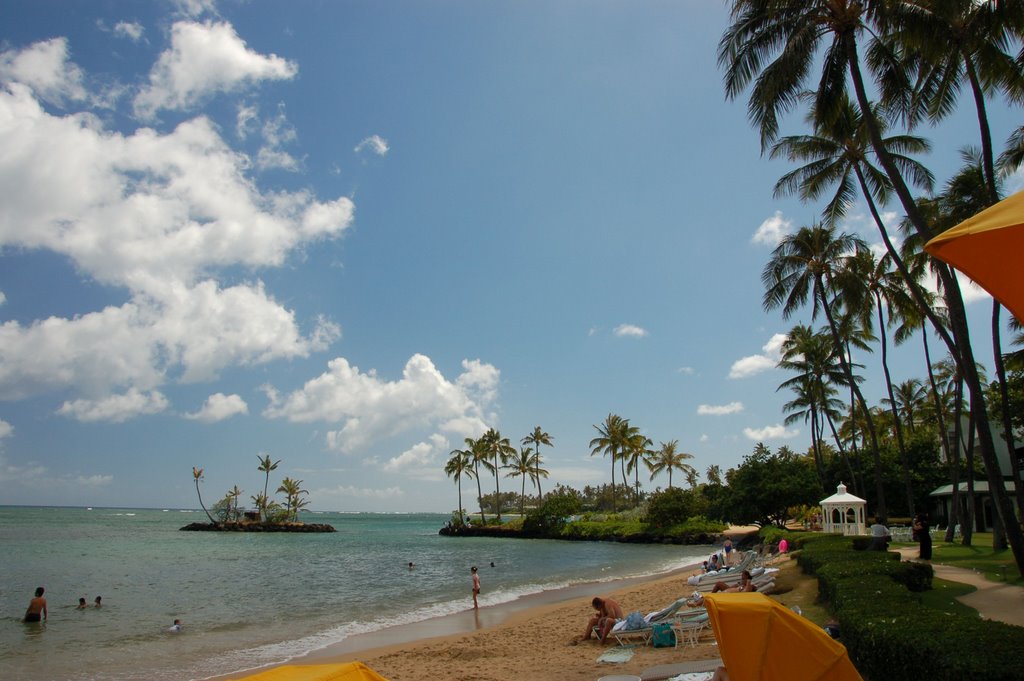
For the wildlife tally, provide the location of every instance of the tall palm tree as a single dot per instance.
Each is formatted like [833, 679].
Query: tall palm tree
[908, 398]
[234, 493]
[197, 475]
[804, 266]
[537, 438]
[266, 466]
[610, 441]
[638, 450]
[668, 458]
[777, 45]
[480, 457]
[460, 463]
[521, 464]
[876, 289]
[500, 449]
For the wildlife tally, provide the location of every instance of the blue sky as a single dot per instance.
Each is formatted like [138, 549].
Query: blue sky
[350, 234]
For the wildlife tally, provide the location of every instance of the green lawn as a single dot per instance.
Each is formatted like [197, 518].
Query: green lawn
[997, 566]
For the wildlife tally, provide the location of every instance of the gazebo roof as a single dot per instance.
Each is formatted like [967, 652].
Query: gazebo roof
[842, 497]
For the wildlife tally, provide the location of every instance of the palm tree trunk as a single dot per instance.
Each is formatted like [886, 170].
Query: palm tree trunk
[892, 405]
[880, 510]
[1004, 398]
[480, 496]
[962, 352]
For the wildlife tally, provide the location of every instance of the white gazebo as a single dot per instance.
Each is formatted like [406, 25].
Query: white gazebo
[843, 513]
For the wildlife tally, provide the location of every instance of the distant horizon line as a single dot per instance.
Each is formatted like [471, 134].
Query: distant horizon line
[199, 510]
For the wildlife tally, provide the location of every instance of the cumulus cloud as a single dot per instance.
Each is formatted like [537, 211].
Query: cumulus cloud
[25, 475]
[6, 429]
[219, 407]
[129, 29]
[422, 460]
[44, 67]
[205, 59]
[755, 364]
[771, 231]
[374, 144]
[686, 370]
[277, 132]
[369, 408]
[157, 216]
[115, 408]
[721, 409]
[629, 330]
[776, 432]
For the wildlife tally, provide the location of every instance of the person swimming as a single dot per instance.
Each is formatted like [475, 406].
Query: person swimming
[37, 607]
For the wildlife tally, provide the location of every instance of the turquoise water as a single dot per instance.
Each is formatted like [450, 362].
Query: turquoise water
[253, 599]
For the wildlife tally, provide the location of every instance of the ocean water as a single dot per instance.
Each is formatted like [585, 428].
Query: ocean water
[250, 599]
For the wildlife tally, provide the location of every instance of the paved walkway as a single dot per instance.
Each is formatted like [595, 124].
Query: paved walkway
[992, 600]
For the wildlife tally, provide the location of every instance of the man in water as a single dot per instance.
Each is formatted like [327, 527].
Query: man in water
[37, 608]
[99, 604]
[608, 613]
[81, 604]
[176, 627]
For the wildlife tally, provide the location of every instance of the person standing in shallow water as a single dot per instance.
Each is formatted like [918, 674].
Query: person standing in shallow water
[476, 585]
[99, 602]
[37, 607]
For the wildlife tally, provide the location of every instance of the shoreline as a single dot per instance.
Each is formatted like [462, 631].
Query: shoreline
[544, 623]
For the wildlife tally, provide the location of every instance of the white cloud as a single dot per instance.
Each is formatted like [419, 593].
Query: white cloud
[369, 408]
[720, 410]
[205, 59]
[44, 67]
[195, 8]
[219, 407]
[629, 330]
[156, 215]
[772, 230]
[422, 460]
[276, 133]
[129, 29]
[776, 432]
[94, 480]
[350, 492]
[704, 438]
[375, 144]
[6, 429]
[25, 475]
[115, 408]
[685, 370]
[755, 364]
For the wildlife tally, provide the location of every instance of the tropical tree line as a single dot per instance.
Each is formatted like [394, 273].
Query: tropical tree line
[861, 70]
[269, 510]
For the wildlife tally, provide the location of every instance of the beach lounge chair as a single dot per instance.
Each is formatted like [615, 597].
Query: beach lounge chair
[642, 634]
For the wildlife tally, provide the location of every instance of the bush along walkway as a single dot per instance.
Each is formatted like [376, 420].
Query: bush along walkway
[993, 600]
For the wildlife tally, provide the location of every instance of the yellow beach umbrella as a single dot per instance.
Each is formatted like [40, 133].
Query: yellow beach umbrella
[347, 671]
[761, 640]
[988, 249]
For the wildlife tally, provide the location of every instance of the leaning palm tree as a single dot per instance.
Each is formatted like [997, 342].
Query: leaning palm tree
[521, 464]
[500, 450]
[610, 442]
[537, 438]
[667, 458]
[802, 270]
[266, 466]
[460, 464]
[480, 455]
[197, 475]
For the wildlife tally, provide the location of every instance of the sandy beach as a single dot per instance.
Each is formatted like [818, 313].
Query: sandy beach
[533, 642]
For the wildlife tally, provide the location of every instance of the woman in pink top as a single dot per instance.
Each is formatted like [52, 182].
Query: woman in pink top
[476, 585]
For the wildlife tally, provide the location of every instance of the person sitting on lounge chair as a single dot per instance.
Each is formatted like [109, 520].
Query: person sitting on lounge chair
[608, 613]
[746, 585]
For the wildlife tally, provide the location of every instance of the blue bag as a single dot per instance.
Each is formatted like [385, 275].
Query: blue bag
[663, 635]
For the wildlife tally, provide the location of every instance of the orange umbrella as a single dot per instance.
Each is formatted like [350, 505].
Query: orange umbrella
[988, 248]
[346, 671]
[761, 640]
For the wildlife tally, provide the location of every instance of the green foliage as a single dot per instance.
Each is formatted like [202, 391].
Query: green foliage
[765, 486]
[673, 506]
[878, 602]
[551, 517]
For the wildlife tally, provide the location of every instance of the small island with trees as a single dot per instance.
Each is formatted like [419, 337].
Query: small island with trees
[269, 515]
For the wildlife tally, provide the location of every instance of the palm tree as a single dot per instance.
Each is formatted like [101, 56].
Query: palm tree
[638, 450]
[234, 493]
[610, 441]
[292, 490]
[908, 398]
[500, 449]
[666, 458]
[537, 438]
[521, 464]
[776, 45]
[266, 466]
[197, 475]
[459, 464]
[804, 265]
[479, 454]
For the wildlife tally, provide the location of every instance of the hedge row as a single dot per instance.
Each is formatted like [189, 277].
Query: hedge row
[889, 634]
